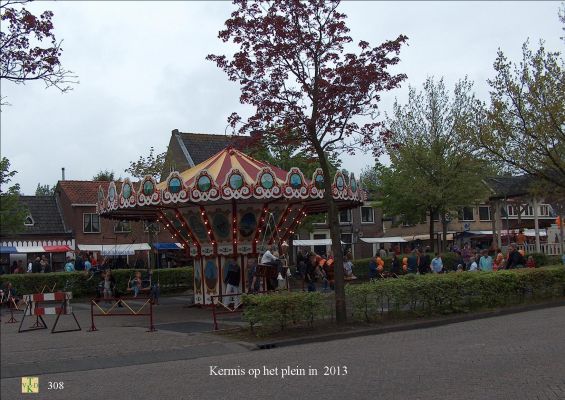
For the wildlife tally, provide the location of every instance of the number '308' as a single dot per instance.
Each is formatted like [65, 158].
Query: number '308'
[56, 385]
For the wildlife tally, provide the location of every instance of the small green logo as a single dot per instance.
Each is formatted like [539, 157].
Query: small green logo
[30, 384]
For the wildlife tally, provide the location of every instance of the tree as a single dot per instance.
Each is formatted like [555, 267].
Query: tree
[12, 213]
[104, 176]
[433, 171]
[44, 190]
[562, 19]
[30, 51]
[153, 164]
[293, 69]
[285, 156]
[524, 126]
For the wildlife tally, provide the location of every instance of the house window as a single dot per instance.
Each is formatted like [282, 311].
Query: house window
[154, 226]
[320, 219]
[544, 210]
[122, 227]
[367, 215]
[345, 216]
[484, 213]
[512, 210]
[91, 223]
[29, 221]
[528, 211]
[466, 214]
[347, 238]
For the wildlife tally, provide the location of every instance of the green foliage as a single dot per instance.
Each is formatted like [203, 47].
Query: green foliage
[523, 125]
[432, 169]
[453, 292]
[104, 176]
[153, 164]
[12, 213]
[277, 311]
[44, 190]
[170, 280]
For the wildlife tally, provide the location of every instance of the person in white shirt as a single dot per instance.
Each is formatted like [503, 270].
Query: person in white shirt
[269, 258]
[473, 266]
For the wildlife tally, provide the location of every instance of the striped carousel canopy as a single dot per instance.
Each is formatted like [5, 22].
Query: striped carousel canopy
[219, 167]
[228, 176]
[228, 204]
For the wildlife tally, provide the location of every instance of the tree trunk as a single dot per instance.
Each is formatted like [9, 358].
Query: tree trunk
[562, 239]
[444, 224]
[431, 211]
[335, 235]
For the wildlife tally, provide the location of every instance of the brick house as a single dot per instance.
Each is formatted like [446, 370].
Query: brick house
[126, 242]
[189, 149]
[517, 210]
[43, 232]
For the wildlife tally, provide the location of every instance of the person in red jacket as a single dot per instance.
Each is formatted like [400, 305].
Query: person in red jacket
[531, 263]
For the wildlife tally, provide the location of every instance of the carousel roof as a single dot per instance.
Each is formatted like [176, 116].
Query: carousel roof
[228, 204]
[228, 176]
[221, 164]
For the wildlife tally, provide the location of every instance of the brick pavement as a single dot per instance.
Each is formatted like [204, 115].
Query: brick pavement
[517, 356]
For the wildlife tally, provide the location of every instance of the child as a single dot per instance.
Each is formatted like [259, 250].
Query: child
[531, 263]
[135, 284]
[108, 285]
[498, 261]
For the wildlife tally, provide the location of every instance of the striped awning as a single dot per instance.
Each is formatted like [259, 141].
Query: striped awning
[35, 249]
[115, 249]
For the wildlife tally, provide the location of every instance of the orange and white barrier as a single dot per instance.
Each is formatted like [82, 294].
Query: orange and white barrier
[59, 304]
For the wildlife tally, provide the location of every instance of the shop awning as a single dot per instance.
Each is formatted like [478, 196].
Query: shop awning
[57, 249]
[8, 249]
[313, 242]
[31, 249]
[115, 249]
[391, 239]
[416, 237]
[167, 246]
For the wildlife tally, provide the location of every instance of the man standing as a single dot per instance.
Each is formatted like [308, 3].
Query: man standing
[413, 262]
[232, 281]
[515, 259]
[36, 267]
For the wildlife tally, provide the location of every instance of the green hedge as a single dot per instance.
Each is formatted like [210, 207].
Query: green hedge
[453, 292]
[170, 280]
[279, 310]
[409, 295]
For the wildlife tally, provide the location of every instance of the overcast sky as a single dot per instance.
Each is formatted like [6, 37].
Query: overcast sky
[142, 73]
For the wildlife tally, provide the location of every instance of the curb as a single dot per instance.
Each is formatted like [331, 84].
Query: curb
[406, 327]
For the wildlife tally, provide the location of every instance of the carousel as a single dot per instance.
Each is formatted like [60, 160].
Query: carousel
[228, 208]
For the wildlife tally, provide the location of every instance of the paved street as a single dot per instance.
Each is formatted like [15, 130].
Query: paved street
[519, 356]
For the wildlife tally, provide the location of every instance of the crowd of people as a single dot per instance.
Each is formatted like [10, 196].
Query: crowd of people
[422, 261]
[312, 268]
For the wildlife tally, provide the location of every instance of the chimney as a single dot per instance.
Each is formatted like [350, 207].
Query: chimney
[63, 173]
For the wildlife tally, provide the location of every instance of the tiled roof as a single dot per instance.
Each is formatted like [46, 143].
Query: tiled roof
[509, 186]
[82, 192]
[202, 146]
[45, 214]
